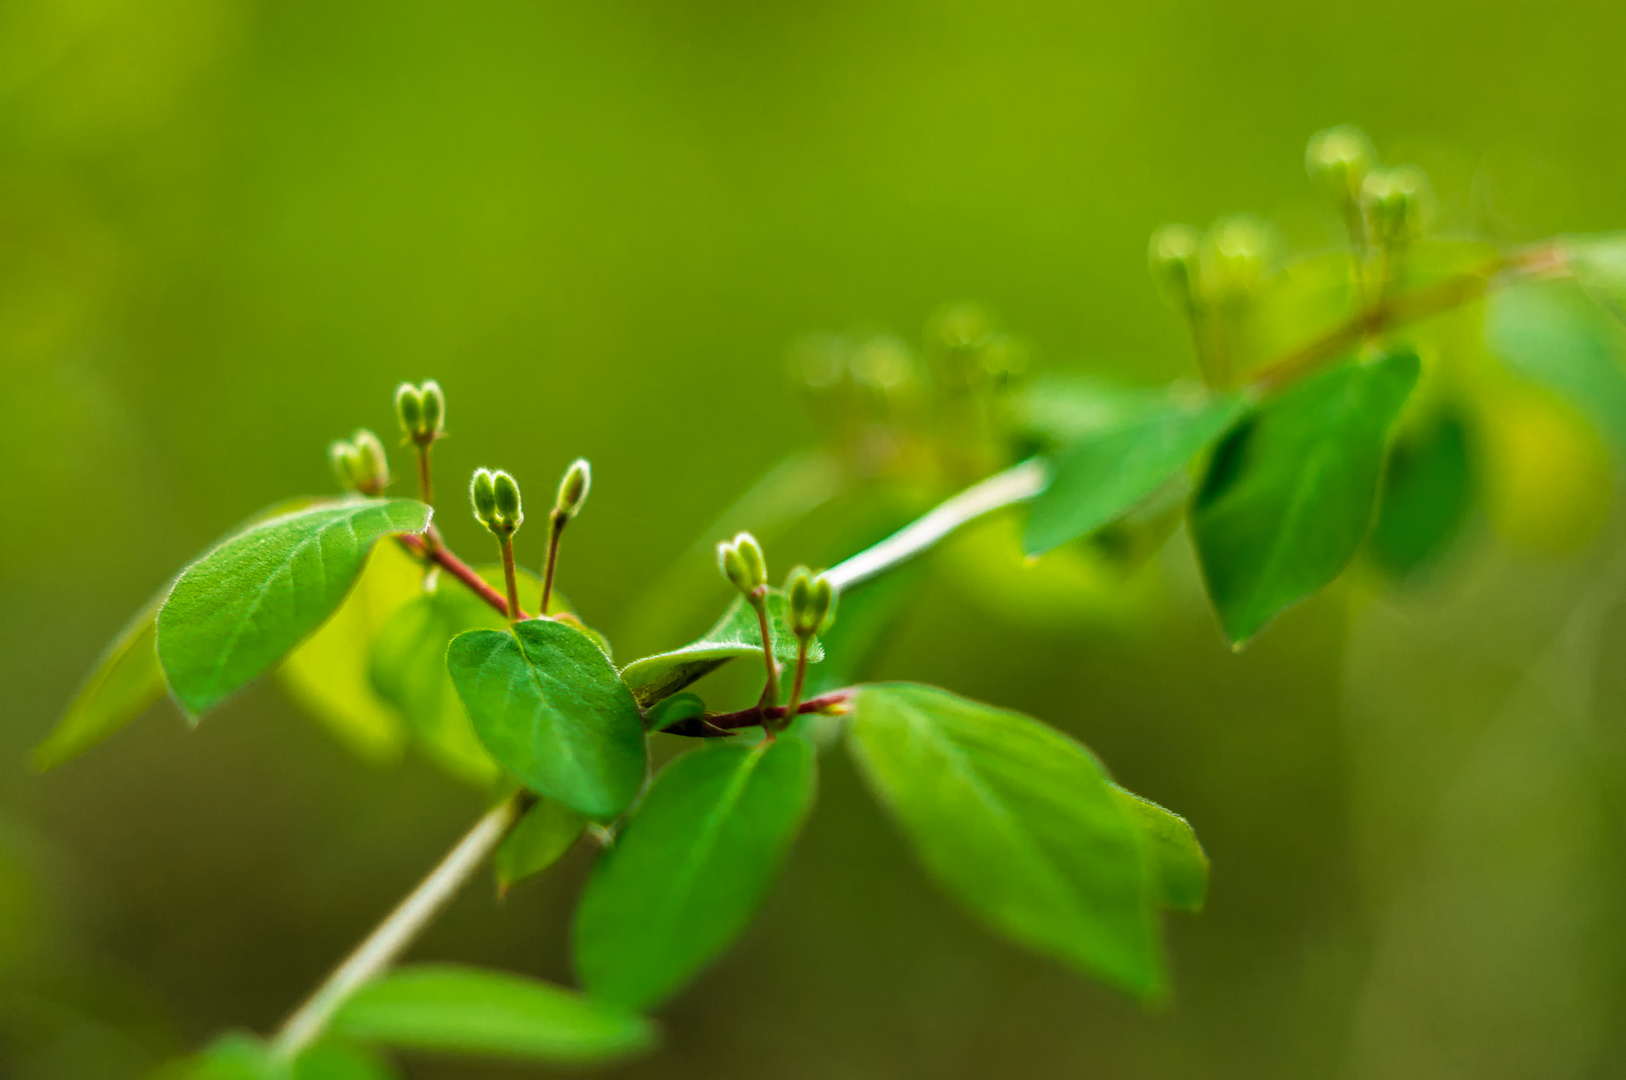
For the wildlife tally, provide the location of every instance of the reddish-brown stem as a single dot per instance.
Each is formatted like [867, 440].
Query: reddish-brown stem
[426, 487]
[436, 551]
[510, 578]
[556, 528]
[717, 725]
[798, 679]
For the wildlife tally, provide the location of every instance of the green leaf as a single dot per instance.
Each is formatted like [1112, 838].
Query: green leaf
[327, 673]
[470, 1011]
[1178, 859]
[547, 704]
[1056, 410]
[1599, 266]
[1018, 823]
[1549, 333]
[241, 607]
[737, 633]
[125, 682]
[542, 836]
[1289, 492]
[335, 1060]
[1102, 476]
[1427, 490]
[127, 679]
[230, 1057]
[690, 868]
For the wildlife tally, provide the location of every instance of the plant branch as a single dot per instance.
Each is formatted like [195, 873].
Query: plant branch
[397, 932]
[557, 521]
[717, 725]
[436, 551]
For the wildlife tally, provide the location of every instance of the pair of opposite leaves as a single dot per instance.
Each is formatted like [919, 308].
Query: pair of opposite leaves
[1287, 494]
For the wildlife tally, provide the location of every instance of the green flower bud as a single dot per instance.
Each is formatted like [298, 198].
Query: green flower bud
[824, 603]
[810, 600]
[1235, 259]
[1396, 203]
[346, 461]
[483, 494]
[578, 480]
[733, 567]
[1173, 258]
[373, 474]
[756, 565]
[1338, 160]
[434, 408]
[409, 409]
[506, 493]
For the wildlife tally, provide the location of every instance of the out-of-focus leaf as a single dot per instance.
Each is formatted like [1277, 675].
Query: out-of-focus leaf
[1099, 477]
[470, 1011]
[327, 673]
[544, 834]
[241, 607]
[231, 1057]
[1289, 492]
[1018, 823]
[125, 682]
[127, 679]
[690, 868]
[547, 704]
[1599, 266]
[1180, 863]
[332, 1059]
[674, 710]
[1057, 410]
[1549, 333]
[1427, 489]
[736, 634]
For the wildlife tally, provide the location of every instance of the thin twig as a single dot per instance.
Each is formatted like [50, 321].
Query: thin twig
[392, 937]
[439, 553]
[715, 725]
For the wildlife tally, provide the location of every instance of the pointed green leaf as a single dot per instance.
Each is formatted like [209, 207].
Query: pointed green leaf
[1289, 492]
[737, 633]
[542, 836]
[1427, 490]
[470, 1011]
[241, 607]
[125, 682]
[327, 672]
[1549, 333]
[1018, 823]
[547, 704]
[1599, 265]
[690, 868]
[1100, 477]
[1179, 860]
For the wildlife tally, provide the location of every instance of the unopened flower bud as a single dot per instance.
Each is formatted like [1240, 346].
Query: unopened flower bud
[755, 564]
[421, 411]
[373, 474]
[409, 408]
[1236, 257]
[578, 480]
[810, 600]
[1172, 255]
[506, 493]
[434, 407]
[733, 567]
[483, 494]
[742, 563]
[346, 461]
[1338, 160]
[1396, 201]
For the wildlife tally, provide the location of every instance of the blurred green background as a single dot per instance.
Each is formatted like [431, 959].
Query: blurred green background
[228, 228]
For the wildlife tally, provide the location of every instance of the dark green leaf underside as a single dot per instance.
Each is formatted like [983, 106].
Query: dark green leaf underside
[690, 868]
[1102, 476]
[240, 608]
[736, 634]
[1290, 490]
[1427, 490]
[461, 1010]
[540, 839]
[1018, 823]
[547, 704]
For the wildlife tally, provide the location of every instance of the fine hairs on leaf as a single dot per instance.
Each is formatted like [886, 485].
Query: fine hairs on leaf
[1332, 415]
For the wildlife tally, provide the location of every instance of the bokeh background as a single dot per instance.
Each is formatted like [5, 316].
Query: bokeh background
[227, 228]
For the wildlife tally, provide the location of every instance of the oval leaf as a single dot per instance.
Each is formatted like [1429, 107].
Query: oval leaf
[327, 673]
[690, 868]
[540, 839]
[1179, 860]
[126, 681]
[1018, 823]
[241, 607]
[1289, 492]
[469, 1011]
[547, 704]
[1427, 490]
[1103, 476]
[737, 633]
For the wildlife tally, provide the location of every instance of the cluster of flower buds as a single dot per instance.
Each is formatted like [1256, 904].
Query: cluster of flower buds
[421, 410]
[1226, 266]
[1395, 203]
[811, 600]
[573, 489]
[742, 563]
[360, 462]
[1386, 207]
[496, 501]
